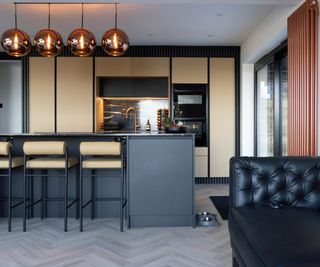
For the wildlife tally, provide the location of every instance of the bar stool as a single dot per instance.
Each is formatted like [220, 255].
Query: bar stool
[101, 156]
[44, 156]
[8, 162]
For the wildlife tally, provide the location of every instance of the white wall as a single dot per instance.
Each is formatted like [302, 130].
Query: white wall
[271, 32]
[10, 97]
[247, 110]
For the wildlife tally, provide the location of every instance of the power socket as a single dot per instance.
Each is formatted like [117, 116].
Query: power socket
[1, 105]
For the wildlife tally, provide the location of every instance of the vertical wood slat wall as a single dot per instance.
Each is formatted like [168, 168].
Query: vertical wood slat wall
[303, 80]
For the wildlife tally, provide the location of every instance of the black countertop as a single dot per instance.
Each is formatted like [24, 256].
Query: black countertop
[100, 133]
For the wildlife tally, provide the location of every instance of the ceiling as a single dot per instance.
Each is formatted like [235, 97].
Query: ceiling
[167, 22]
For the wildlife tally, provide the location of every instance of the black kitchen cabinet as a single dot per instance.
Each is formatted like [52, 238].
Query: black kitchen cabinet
[134, 87]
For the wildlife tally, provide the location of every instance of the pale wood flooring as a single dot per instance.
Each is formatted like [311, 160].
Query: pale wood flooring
[102, 245]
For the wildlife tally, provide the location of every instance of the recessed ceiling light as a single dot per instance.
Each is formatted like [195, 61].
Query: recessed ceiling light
[210, 35]
[150, 35]
[219, 14]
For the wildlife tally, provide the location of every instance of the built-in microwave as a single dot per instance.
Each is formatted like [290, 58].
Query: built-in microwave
[190, 108]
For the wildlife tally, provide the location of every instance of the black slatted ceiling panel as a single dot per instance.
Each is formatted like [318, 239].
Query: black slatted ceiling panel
[166, 51]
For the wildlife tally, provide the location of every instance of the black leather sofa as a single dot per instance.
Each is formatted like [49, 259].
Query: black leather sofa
[274, 217]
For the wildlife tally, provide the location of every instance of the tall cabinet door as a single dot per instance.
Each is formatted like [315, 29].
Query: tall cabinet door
[192, 71]
[189, 70]
[113, 66]
[150, 66]
[222, 115]
[41, 95]
[74, 94]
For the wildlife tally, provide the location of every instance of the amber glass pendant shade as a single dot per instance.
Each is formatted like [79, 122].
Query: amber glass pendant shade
[115, 42]
[81, 42]
[48, 42]
[16, 42]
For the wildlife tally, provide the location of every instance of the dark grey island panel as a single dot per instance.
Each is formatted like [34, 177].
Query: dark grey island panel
[160, 174]
[161, 180]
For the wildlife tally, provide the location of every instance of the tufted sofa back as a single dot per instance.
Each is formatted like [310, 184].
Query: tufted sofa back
[293, 181]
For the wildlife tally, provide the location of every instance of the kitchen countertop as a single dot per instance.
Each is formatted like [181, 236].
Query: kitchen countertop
[100, 133]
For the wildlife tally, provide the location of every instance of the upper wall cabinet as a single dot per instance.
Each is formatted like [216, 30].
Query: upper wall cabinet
[150, 67]
[189, 70]
[113, 66]
[41, 94]
[74, 94]
[132, 67]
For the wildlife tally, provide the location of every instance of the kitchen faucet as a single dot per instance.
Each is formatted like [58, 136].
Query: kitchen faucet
[136, 125]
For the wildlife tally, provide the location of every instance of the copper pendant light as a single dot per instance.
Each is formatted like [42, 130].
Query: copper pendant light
[15, 41]
[81, 41]
[115, 41]
[48, 42]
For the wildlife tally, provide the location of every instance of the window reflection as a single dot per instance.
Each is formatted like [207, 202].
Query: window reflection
[265, 111]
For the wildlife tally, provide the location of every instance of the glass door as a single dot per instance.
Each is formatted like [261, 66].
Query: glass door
[271, 104]
[265, 111]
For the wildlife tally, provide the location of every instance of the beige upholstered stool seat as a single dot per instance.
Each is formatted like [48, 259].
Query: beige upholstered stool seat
[102, 163]
[16, 162]
[100, 148]
[4, 148]
[44, 148]
[50, 163]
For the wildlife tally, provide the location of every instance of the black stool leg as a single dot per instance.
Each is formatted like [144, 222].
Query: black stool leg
[25, 201]
[9, 200]
[92, 193]
[31, 196]
[66, 200]
[29, 199]
[42, 194]
[121, 200]
[45, 194]
[81, 198]
[77, 193]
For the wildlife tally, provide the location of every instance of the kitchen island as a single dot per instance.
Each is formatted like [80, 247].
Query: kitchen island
[159, 169]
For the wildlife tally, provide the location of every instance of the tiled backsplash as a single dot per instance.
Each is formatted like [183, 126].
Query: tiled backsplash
[115, 113]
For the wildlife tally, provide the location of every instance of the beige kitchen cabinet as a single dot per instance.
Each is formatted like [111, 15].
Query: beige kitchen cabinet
[201, 162]
[150, 67]
[41, 95]
[189, 70]
[74, 94]
[113, 66]
[222, 115]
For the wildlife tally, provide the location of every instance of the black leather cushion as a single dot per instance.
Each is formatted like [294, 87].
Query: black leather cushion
[286, 237]
[293, 181]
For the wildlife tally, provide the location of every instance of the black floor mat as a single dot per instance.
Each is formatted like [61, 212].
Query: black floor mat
[222, 205]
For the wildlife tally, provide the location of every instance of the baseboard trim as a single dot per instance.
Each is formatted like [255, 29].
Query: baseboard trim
[212, 180]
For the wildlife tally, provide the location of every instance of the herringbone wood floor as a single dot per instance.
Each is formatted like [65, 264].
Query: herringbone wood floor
[102, 245]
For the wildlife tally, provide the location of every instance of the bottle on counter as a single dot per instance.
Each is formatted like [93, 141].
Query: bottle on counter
[148, 126]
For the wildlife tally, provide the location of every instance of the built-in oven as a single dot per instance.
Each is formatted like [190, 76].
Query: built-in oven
[190, 108]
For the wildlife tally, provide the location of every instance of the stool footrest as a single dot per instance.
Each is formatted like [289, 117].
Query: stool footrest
[86, 204]
[106, 199]
[12, 199]
[74, 201]
[33, 203]
[16, 205]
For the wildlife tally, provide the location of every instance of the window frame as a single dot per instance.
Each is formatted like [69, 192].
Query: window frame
[275, 57]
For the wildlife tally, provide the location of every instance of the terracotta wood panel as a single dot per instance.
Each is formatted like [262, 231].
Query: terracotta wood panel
[303, 80]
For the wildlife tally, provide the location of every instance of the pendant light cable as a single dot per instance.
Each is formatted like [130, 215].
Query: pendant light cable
[49, 16]
[81, 15]
[15, 16]
[116, 15]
